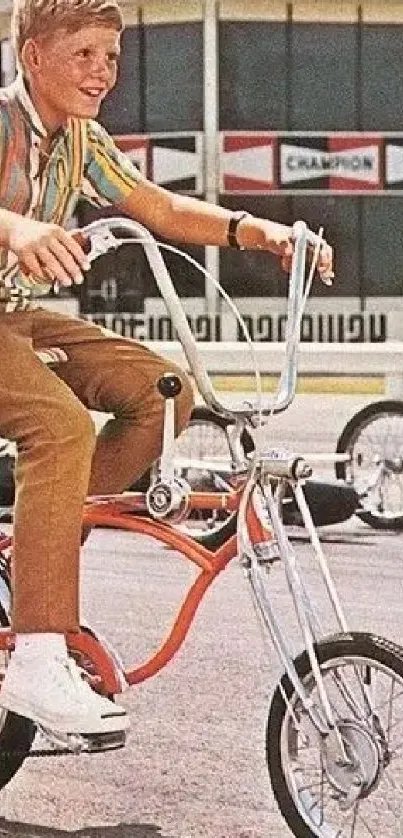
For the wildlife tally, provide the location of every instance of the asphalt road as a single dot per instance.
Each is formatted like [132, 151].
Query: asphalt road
[194, 765]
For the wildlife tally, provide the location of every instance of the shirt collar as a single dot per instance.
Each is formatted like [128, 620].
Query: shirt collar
[28, 106]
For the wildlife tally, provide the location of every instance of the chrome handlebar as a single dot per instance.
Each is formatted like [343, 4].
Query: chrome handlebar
[101, 238]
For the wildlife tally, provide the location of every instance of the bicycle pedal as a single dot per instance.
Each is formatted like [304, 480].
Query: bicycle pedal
[72, 742]
[81, 743]
[105, 741]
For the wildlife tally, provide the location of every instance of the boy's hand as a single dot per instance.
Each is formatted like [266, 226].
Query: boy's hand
[279, 241]
[277, 238]
[48, 252]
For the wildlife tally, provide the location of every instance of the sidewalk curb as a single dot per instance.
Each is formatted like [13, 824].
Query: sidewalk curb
[337, 385]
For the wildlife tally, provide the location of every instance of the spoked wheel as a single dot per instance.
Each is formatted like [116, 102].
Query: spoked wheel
[318, 795]
[16, 732]
[373, 439]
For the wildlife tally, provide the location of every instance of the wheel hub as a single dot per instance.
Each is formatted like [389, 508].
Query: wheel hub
[354, 777]
[394, 465]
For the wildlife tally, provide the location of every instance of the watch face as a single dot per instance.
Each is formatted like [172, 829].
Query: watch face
[232, 229]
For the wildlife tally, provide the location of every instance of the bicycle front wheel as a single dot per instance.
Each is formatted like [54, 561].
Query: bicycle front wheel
[318, 797]
[373, 439]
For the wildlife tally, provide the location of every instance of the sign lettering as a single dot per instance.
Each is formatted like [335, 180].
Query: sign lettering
[323, 328]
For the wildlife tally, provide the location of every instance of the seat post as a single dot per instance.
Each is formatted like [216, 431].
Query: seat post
[169, 385]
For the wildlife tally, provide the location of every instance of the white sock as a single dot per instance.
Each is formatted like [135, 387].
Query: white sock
[40, 644]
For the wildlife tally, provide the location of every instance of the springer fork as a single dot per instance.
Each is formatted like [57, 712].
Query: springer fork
[273, 471]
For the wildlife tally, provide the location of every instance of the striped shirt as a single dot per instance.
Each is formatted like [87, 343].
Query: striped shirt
[83, 162]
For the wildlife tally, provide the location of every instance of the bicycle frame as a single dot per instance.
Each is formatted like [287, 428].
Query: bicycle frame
[117, 512]
[257, 540]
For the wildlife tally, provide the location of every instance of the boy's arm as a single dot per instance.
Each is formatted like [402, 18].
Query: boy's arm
[194, 221]
[110, 178]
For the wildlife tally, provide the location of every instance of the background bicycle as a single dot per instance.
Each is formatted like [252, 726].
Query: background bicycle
[373, 441]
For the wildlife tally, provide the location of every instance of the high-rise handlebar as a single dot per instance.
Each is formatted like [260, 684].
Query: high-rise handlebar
[106, 234]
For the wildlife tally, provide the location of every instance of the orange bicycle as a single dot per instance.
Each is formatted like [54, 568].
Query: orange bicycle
[334, 729]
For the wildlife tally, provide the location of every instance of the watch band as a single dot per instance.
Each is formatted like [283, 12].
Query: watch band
[236, 217]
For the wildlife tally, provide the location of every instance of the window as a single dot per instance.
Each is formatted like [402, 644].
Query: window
[383, 246]
[382, 77]
[121, 110]
[323, 77]
[174, 77]
[340, 218]
[252, 76]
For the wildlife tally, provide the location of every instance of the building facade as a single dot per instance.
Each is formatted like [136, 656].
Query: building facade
[288, 110]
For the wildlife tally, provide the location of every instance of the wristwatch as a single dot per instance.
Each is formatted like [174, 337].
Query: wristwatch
[232, 240]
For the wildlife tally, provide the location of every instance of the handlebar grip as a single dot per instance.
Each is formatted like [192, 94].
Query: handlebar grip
[301, 229]
[313, 238]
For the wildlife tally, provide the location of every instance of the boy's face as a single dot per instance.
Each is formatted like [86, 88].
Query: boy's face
[70, 73]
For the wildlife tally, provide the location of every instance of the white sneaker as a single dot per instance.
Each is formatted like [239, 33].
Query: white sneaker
[52, 693]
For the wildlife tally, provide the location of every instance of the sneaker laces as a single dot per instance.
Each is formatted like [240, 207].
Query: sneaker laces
[85, 689]
[82, 692]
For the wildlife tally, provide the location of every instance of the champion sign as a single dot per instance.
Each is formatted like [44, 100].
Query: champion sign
[360, 167]
[267, 162]
[300, 162]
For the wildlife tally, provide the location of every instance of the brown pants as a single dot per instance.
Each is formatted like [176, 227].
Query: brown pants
[45, 411]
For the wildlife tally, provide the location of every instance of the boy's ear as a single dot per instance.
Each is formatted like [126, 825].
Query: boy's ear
[30, 55]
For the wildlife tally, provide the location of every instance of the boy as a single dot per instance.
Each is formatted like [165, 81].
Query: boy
[52, 152]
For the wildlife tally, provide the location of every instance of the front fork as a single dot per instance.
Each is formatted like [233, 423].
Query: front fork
[318, 715]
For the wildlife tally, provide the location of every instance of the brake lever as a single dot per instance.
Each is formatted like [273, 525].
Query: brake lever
[94, 243]
[98, 242]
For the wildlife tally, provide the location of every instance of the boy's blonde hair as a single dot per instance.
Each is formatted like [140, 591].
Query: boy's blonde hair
[34, 18]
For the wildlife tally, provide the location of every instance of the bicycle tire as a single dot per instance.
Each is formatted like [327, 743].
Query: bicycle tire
[17, 733]
[379, 412]
[204, 414]
[295, 804]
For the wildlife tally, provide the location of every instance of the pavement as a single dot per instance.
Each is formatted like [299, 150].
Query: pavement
[194, 765]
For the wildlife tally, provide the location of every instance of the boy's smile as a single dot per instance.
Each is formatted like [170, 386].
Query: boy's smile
[70, 73]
